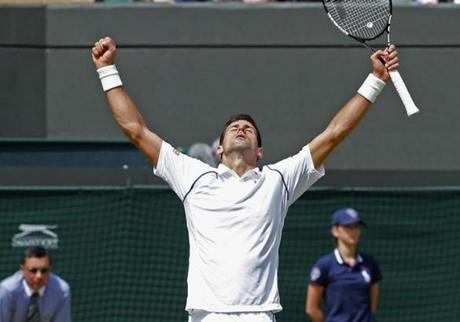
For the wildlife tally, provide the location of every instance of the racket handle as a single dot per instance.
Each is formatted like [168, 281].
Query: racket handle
[403, 93]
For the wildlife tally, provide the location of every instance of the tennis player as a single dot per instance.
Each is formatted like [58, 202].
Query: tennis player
[346, 279]
[235, 212]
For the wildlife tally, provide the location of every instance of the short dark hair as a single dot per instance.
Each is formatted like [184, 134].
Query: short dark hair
[238, 117]
[36, 252]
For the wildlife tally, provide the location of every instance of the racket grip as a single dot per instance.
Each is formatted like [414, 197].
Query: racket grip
[403, 93]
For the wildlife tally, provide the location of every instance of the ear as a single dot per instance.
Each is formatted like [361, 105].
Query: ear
[219, 151]
[260, 153]
[334, 231]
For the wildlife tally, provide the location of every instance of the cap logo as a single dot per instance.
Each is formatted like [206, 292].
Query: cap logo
[352, 213]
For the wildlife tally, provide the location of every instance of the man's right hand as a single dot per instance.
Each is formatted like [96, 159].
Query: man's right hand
[103, 52]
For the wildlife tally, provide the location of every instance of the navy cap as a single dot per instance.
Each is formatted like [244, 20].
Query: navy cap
[346, 216]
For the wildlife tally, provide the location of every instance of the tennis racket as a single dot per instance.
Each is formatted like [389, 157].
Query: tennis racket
[365, 20]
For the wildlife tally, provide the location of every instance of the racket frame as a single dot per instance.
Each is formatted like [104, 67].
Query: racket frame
[396, 78]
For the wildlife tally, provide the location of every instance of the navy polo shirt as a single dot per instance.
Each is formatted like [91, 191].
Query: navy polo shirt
[346, 289]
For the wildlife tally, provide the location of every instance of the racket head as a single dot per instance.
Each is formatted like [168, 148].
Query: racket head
[360, 19]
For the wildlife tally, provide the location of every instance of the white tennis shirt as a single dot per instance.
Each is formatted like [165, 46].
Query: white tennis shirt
[234, 226]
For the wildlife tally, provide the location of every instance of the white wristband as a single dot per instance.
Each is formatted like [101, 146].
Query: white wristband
[371, 87]
[109, 77]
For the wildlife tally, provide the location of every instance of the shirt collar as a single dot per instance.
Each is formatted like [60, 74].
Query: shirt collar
[339, 258]
[255, 173]
[29, 291]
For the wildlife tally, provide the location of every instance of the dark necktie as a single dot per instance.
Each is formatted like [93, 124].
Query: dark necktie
[33, 313]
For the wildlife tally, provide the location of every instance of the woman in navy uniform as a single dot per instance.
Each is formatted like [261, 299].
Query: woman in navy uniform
[346, 279]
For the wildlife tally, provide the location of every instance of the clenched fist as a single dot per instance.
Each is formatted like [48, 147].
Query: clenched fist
[103, 52]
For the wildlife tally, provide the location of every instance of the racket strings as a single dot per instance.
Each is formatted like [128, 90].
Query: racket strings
[361, 19]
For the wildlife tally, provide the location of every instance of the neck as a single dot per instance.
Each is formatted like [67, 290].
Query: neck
[238, 163]
[348, 253]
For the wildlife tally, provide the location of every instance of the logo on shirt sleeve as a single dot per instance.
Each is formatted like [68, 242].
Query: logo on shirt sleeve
[315, 273]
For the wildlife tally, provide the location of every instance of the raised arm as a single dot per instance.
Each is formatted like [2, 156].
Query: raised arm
[354, 110]
[123, 108]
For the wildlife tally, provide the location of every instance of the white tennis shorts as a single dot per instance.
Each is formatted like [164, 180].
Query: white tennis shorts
[204, 316]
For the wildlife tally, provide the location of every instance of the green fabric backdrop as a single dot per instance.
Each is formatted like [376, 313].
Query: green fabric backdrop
[125, 251]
